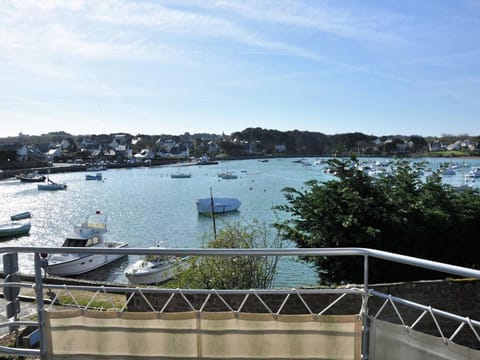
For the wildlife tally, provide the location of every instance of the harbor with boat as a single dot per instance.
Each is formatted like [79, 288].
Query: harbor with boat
[147, 207]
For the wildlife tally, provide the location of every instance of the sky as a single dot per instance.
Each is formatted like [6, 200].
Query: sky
[380, 67]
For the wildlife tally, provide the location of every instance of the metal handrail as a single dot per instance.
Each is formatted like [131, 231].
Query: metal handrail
[402, 259]
[421, 307]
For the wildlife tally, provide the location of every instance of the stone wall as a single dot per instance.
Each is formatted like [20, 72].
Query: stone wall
[460, 297]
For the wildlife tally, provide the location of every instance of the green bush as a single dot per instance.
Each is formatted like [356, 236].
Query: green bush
[398, 212]
[233, 272]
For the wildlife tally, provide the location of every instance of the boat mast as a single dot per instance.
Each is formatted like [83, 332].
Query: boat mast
[213, 215]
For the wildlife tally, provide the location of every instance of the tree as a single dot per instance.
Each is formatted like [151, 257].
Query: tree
[419, 143]
[232, 149]
[233, 272]
[7, 158]
[398, 212]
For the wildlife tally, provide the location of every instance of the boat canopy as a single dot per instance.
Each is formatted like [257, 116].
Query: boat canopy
[97, 221]
[81, 242]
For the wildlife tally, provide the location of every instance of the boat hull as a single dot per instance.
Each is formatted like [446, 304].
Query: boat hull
[155, 276]
[20, 216]
[97, 176]
[14, 229]
[180, 176]
[83, 263]
[141, 273]
[27, 179]
[220, 205]
[52, 187]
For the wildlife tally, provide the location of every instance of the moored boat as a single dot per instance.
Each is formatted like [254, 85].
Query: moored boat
[21, 216]
[88, 235]
[97, 176]
[154, 269]
[31, 177]
[13, 229]
[449, 171]
[228, 176]
[218, 204]
[204, 160]
[181, 176]
[473, 173]
[51, 185]
[96, 168]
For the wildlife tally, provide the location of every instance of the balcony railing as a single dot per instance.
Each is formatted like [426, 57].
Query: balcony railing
[237, 301]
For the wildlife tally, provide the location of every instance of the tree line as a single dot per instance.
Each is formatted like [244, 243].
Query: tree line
[266, 142]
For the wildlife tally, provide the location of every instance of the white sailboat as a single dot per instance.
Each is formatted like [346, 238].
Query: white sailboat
[51, 185]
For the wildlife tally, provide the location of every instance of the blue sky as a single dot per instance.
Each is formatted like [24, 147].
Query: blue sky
[167, 67]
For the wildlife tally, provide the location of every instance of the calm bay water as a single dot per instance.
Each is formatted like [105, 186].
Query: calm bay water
[146, 207]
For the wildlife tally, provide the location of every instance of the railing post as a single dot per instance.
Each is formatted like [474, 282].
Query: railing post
[40, 305]
[10, 293]
[365, 319]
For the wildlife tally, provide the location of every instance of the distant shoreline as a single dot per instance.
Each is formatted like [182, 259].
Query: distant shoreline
[67, 167]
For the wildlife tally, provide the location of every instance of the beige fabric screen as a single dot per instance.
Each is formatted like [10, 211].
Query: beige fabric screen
[393, 342]
[77, 334]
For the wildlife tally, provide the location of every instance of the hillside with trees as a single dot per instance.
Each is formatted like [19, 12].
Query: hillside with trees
[251, 142]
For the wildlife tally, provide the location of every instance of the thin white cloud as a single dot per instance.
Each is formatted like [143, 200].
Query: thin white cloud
[134, 30]
[369, 25]
[54, 39]
[35, 35]
[160, 19]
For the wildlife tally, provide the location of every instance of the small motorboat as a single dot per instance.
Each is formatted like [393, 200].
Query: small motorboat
[51, 185]
[14, 229]
[228, 176]
[181, 176]
[473, 173]
[154, 269]
[31, 177]
[90, 234]
[97, 176]
[97, 168]
[449, 171]
[21, 216]
[219, 205]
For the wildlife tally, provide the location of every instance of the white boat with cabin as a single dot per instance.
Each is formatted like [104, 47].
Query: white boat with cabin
[154, 269]
[473, 173]
[89, 234]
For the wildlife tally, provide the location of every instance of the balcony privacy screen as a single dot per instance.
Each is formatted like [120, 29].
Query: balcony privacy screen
[78, 334]
[395, 342]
